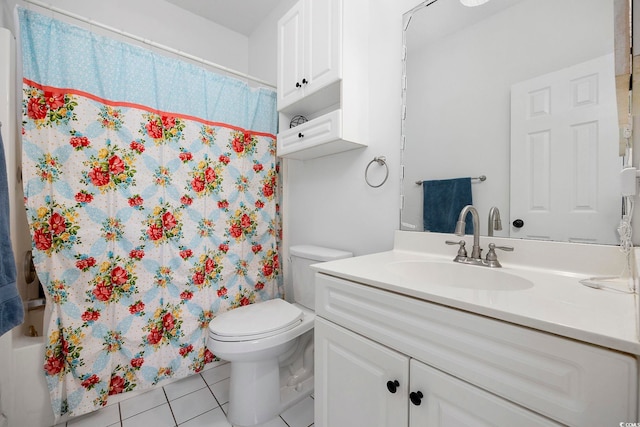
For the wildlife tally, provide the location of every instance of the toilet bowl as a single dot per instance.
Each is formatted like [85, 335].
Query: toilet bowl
[270, 345]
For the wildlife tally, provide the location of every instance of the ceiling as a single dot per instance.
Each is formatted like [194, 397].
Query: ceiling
[241, 16]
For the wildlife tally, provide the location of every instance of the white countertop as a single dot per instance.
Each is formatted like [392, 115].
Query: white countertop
[557, 303]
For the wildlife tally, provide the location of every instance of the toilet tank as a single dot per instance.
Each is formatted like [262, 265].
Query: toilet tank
[302, 256]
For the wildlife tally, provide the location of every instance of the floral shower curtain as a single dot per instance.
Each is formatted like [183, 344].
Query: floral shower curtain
[150, 188]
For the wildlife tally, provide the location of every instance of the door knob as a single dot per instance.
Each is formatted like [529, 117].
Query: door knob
[416, 397]
[298, 84]
[305, 81]
[392, 386]
[300, 135]
[518, 223]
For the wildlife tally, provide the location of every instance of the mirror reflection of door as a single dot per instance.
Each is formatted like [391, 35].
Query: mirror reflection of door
[564, 160]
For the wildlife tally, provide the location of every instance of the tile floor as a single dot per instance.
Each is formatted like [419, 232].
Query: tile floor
[196, 401]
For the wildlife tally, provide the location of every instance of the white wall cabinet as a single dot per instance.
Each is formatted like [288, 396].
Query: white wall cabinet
[323, 76]
[308, 49]
[456, 368]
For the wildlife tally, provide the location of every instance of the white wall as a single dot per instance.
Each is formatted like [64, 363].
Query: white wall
[263, 45]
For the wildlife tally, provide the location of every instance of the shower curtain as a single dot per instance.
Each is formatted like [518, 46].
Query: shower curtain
[151, 194]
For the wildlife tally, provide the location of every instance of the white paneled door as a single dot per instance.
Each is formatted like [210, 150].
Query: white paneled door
[564, 155]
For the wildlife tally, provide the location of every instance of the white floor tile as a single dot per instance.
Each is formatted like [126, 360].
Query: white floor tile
[184, 386]
[143, 402]
[214, 418]
[159, 416]
[101, 418]
[300, 415]
[221, 391]
[192, 405]
[217, 374]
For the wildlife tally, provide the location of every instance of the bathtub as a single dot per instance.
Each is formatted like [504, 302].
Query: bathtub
[24, 397]
[31, 406]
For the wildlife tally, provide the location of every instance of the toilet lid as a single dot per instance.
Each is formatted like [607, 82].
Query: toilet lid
[265, 318]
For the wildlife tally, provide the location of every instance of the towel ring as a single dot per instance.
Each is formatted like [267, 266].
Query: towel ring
[381, 160]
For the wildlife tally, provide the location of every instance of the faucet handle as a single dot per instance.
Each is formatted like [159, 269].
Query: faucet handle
[503, 248]
[462, 251]
[492, 258]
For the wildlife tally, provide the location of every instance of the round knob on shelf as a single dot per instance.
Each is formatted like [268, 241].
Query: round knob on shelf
[416, 397]
[300, 135]
[518, 223]
[298, 84]
[305, 81]
[392, 386]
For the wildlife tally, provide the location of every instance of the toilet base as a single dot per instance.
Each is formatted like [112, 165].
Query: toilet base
[254, 384]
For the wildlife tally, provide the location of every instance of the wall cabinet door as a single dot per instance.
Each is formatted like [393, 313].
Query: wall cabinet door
[309, 40]
[351, 376]
[445, 401]
[323, 41]
[290, 55]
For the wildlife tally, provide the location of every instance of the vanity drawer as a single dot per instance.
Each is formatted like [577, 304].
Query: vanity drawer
[569, 381]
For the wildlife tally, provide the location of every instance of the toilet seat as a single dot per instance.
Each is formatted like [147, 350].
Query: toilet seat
[255, 321]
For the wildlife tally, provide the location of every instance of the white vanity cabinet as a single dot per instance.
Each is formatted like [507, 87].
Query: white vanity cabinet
[362, 383]
[454, 368]
[323, 76]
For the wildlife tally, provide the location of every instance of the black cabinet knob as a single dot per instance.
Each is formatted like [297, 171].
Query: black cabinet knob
[305, 81]
[392, 386]
[416, 397]
[518, 223]
[300, 135]
[298, 84]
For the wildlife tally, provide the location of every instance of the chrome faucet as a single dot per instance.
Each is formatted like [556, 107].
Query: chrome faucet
[476, 257]
[495, 223]
[460, 226]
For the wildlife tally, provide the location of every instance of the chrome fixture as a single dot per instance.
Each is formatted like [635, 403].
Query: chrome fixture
[29, 268]
[480, 178]
[460, 226]
[35, 303]
[491, 259]
[495, 223]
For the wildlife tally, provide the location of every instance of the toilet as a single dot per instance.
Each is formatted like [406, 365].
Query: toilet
[270, 345]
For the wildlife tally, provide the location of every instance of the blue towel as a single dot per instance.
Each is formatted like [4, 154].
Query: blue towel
[11, 308]
[443, 201]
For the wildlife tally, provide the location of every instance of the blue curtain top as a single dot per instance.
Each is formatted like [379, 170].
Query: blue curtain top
[61, 55]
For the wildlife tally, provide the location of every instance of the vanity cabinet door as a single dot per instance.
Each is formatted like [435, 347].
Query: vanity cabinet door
[445, 401]
[358, 382]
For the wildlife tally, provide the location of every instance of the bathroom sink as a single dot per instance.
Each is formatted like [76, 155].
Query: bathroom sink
[458, 275]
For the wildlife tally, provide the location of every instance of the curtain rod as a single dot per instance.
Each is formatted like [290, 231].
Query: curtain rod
[150, 42]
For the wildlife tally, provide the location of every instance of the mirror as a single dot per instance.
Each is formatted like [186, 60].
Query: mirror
[521, 92]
